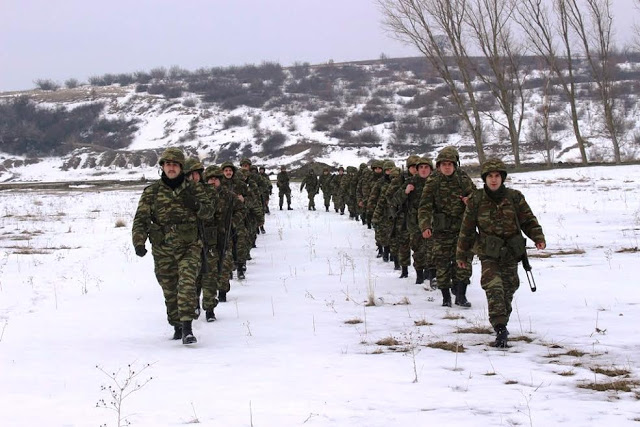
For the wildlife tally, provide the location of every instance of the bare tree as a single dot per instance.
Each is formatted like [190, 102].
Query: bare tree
[436, 28]
[636, 29]
[552, 42]
[490, 28]
[596, 37]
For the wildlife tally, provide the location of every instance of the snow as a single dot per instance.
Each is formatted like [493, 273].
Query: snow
[74, 296]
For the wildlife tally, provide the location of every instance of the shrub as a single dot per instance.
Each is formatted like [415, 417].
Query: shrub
[142, 88]
[325, 120]
[71, 83]
[233, 121]
[46, 84]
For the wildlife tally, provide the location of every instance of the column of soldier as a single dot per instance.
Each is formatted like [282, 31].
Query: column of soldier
[202, 224]
[431, 213]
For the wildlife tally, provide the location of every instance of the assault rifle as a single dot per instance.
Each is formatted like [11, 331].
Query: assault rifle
[205, 247]
[227, 232]
[525, 258]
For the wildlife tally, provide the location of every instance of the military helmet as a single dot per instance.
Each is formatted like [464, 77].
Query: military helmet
[243, 174]
[213, 172]
[172, 154]
[395, 173]
[388, 164]
[283, 168]
[494, 165]
[425, 161]
[376, 164]
[192, 165]
[254, 169]
[412, 160]
[448, 154]
[245, 161]
[352, 169]
[228, 165]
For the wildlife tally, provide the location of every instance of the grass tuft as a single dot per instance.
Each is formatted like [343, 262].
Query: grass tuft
[388, 341]
[354, 321]
[449, 346]
[475, 330]
[611, 372]
[616, 385]
[120, 223]
[422, 322]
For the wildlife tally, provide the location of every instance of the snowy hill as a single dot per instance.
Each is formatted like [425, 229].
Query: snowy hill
[337, 114]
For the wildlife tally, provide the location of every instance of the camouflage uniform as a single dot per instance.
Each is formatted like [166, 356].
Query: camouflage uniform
[364, 174]
[348, 191]
[365, 189]
[218, 232]
[376, 189]
[253, 208]
[267, 189]
[441, 201]
[381, 220]
[283, 187]
[167, 214]
[325, 182]
[336, 185]
[312, 184]
[496, 214]
[240, 234]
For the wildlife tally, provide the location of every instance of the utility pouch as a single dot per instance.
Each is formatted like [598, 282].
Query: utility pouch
[492, 246]
[439, 222]
[156, 236]
[517, 246]
[187, 233]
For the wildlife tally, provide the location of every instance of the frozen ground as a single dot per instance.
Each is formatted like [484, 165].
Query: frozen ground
[297, 345]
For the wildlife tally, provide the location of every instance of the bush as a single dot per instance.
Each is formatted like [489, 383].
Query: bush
[71, 83]
[190, 102]
[142, 88]
[324, 121]
[46, 84]
[233, 121]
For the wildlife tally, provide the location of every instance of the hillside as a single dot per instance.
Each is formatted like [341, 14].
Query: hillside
[337, 114]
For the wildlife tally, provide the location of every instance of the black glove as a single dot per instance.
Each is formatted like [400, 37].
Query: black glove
[141, 251]
[190, 201]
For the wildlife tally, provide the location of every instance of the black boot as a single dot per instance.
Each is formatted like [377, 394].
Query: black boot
[280, 207]
[187, 333]
[289, 208]
[222, 296]
[446, 297]
[198, 309]
[210, 315]
[433, 281]
[396, 264]
[363, 219]
[385, 254]
[369, 225]
[379, 252]
[419, 276]
[262, 230]
[405, 272]
[241, 270]
[501, 336]
[177, 332]
[341, 211]
[461, 295]
[327, 208]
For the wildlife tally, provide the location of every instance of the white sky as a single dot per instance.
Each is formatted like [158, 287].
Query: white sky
[77, 38]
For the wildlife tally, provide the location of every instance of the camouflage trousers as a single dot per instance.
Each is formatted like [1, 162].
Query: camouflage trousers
[213, 281]
[419, 247]
[282, 194]
[312, 198]
[352, 206]
[500, 282]
[240, 249]
[326, 196]
[444, 259]
[402, 244]
[383, 232]
[338, 202]
[176, 268]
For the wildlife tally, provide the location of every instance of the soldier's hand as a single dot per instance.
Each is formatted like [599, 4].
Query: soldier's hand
[462, 264]
[141, 251]
[427, 233]
[541, 245]
[240, 198]
[190, 201]
[409, 189]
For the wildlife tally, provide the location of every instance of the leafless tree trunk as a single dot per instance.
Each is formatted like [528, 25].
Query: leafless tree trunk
[436, 28]
[489, 24]
[533, 17]
[596, 37]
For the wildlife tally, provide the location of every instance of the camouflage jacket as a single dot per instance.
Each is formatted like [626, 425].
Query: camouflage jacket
[336, 183]
[311, 182]
[283, 182]
[380, 211]
[412, 200]
[374, 194]
[362, 188]
[325, 183]
[164, 219]
[442, 195]
[268, 186]
[485, 217]
[216, 227]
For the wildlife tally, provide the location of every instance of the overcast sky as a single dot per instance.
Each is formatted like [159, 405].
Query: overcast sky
[80, 38]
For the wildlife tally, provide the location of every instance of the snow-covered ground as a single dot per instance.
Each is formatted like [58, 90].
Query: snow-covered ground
[77, 305]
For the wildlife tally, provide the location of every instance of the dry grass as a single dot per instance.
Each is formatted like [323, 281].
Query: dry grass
[616, 385]
[628, 250]
[31, 251]
[354, 321]
[511, 382]
[575, 353]
[561, 252]
[611, 372]
[388, 341]
[449, 346]
[568, 373]
[452, 316]
[120, 223]
[475, 330]
[377, 351]
[403, 301]
[422, 322]
[523, 338]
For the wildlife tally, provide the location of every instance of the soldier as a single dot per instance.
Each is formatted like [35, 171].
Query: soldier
[325, 186]
[364, 176]
[283, 187]
[348, 191]
[498, 214]
[241, 240]
[219, 231]
[366, 186]
[268, 189]
[442, 205]
[193, 172]
[336, 184]
[311, 182]
[377, 205]
[167, 214]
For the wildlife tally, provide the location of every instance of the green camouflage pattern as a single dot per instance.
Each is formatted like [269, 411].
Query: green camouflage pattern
[326, 185]
[312, 184]
[282, 181]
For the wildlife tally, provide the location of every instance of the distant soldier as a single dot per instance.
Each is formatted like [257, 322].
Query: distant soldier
[336, 184]
[364, 175]
[193, 170]
[268, 189]
[498, 214]
[380, 179]
[378, 205]
[348, 191]
[311, 182]
[241, 238]
[442, 205]
[325, 186]
[167, 214]
[282, 181]
[365, 187]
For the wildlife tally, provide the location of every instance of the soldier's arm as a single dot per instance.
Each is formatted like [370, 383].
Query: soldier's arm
[206, 210]
[425, 210]
[142, 218]
[528, 221]
[467, 235]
